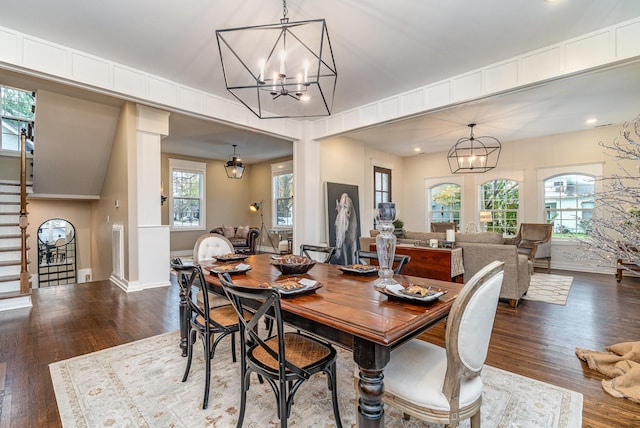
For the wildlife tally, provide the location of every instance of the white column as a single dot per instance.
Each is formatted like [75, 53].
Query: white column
[152, 249]
[308, 207]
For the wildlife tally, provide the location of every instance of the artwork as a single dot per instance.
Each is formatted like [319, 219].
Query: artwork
[343, 216]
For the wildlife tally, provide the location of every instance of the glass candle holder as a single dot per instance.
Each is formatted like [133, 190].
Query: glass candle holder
[385, 243]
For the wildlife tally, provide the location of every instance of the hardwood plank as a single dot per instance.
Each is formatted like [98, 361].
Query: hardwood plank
[535, 340]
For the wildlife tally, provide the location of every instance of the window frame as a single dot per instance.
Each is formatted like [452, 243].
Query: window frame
[430, 203]
[190, 167]
[24, 121]
[388, 192]
[278, 169]
[509, 231]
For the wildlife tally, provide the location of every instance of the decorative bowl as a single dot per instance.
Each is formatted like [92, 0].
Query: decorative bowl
[293, 265]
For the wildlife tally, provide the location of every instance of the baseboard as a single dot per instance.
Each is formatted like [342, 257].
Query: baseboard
[126, 286]
[16, 303]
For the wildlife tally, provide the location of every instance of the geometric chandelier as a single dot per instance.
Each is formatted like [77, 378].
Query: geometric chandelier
[474, 154]
[280, 70]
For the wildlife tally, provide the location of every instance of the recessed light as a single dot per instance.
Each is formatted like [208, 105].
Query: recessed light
[417, 150]
[591, 121]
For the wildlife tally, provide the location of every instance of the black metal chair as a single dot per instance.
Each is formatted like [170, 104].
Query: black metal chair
[204, 321]
[285, 360]
[307, 249]
[399, 259]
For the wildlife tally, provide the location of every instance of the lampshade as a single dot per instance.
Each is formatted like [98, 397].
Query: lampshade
[486, 217]
[474, 154]
[255, 207]
[234, 167]
[280, 70]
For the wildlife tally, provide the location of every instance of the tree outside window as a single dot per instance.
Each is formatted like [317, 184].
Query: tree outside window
[445, 203]
[502, 198]
[187, 194]
[282, 194]
[17, 111]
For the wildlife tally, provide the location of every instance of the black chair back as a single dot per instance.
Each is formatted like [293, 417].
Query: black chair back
[307, 249]
[399, 259]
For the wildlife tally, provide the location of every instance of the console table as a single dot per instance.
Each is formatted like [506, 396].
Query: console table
[444, 264]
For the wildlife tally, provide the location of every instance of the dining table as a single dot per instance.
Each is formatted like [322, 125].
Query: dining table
[348, 309]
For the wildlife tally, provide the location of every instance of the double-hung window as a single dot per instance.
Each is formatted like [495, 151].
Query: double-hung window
[445, 203]
[282, 191]
[381, 185]
[569, 202]
[17, 112]
[187, 197]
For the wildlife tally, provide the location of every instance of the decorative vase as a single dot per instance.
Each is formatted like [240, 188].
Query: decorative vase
[385, 243]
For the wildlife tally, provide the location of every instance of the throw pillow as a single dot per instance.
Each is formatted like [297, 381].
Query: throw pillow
[228, 231]
[242, 232]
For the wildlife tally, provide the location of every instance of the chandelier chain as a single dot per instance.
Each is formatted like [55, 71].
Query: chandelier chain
[285, 11]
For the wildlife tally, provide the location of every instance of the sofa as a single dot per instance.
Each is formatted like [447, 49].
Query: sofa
[243, 238]
[478, 250]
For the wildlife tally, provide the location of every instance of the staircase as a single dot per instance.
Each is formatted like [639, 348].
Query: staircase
[10, 245]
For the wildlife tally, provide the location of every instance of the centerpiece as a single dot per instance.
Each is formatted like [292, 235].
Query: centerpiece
[385, 243]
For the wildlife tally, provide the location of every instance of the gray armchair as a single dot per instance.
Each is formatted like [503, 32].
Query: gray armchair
[534, 241]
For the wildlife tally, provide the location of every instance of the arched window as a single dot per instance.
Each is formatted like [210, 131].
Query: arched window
[445, 203]
[502, 199]
[569, 203]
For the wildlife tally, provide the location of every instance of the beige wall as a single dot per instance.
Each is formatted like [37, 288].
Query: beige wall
[346, 161]
[78, 213]
[115, 188]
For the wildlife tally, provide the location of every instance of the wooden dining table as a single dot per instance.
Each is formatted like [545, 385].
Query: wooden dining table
[349, 311]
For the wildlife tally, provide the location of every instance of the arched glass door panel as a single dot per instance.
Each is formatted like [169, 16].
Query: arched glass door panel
[56, 253]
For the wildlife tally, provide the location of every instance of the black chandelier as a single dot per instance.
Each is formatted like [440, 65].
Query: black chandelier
[474, 154]
[234, 167]
[280, 70]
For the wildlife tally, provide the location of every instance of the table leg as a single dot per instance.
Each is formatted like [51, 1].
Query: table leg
[371, 359]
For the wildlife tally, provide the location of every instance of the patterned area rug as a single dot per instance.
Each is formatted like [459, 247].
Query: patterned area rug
[139, 385]
[549, 288]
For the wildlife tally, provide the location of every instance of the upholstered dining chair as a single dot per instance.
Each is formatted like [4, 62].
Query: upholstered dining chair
[324, 253]
[285, 360]
[443, 385]
[441, 226]
[205, 250]
[534, 241]
[399, 259]
[204, 321]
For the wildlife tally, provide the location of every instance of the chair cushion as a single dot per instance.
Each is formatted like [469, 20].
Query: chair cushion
[210, 248]
[242, 232]
[228, 231]
[416, 374]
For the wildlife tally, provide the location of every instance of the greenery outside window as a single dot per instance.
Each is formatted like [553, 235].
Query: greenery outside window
[187, 197]
[282, 191]
[569, 202]
[17, 112]
[381, 185]
[502, 198]
[445, 203]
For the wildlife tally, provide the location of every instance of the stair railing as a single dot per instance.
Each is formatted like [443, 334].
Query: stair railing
[25, 284]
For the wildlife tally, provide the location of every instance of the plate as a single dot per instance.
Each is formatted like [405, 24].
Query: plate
[359, 269]
[228, 268]
[231, 257]
[398, 292]
[298, 286]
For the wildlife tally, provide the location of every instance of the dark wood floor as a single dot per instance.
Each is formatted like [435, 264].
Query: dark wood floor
[536, 340]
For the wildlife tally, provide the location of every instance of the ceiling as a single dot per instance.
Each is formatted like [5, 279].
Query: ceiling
[381, 48]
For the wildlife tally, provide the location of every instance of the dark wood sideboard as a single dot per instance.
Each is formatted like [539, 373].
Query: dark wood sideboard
[444, 264]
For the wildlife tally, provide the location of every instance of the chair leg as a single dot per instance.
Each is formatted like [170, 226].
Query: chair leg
[243, 392]
[207, 370]
[334, 393]
[475, 420]
[233, 347]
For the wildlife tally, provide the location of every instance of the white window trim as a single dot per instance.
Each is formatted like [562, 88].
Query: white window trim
[185, 165]
[280, 168]
[594, 169]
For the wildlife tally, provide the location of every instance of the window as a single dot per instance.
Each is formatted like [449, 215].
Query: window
[381, 185]
[569, 203]
[282, 191]
[445, 203]
[187, 200]
[502, 198]
[17, 112]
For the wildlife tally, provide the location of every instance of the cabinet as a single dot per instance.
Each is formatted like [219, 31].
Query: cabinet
[444, 264]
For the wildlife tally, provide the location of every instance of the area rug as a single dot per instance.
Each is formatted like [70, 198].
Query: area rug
[549, 288]
[139, 385]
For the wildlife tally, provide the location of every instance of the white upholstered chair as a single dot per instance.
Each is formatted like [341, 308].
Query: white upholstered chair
[443, 385]
[205, 250]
